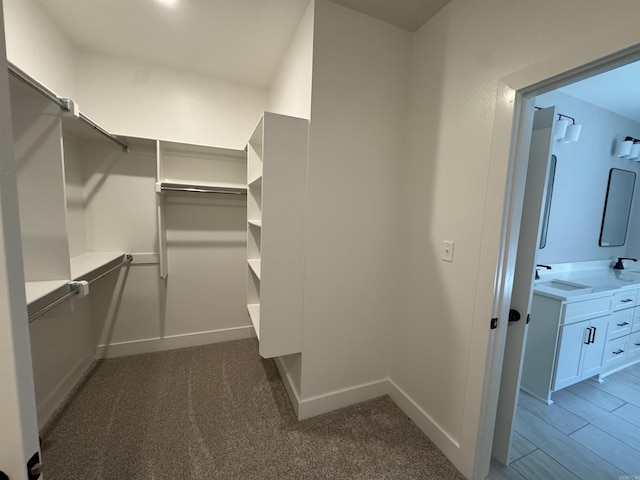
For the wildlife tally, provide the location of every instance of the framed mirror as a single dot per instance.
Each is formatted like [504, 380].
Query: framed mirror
[546, 208]
[617, 207]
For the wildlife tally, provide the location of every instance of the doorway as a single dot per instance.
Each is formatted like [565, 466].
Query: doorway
[515, 346]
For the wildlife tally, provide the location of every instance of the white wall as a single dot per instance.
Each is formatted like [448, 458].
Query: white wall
[36, 46]
[143, 100]
[458, 59]
[290, 92]
[357, 120]
[581, 178]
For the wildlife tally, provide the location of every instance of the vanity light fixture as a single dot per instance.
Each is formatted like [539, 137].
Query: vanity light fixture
[565, 131]
[628, 148]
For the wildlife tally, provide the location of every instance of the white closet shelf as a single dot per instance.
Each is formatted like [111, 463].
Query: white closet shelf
[255, 266]
[166, 186]
[255, 223]
[254, 314]
[39, 290]
[256, 183]
[90, 266]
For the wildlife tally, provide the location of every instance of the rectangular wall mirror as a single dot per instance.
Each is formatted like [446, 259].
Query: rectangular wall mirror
[546, 209]
[617, 207]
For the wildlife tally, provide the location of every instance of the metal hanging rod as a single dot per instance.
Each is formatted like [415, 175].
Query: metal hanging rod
[65, 104]
[76, 287]
[74, 290]
[128, 258]
[101, 131]
[175, 187]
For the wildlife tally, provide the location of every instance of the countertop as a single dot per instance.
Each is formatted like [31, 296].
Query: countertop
[573, 284]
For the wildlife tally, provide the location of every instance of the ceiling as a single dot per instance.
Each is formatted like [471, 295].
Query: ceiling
[409, 15]
[616, 90]
[240, 40]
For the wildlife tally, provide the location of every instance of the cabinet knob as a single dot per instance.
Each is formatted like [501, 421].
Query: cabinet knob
[626, 300]
[622, 324]
[618, 352]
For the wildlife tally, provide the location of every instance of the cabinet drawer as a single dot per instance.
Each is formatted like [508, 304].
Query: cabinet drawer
[615, 352]
[636, 320]
[620, 323]
[577, 311]
[624, 299]
[634, 344]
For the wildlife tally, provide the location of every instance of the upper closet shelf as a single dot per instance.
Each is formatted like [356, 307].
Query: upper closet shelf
[204, 187]
[65, 104]
[37, 291]
[92, 266]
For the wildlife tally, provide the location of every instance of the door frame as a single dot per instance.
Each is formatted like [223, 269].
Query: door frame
[19, 439]
[511, 138]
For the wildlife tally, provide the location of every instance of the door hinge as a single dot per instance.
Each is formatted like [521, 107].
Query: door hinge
[494, 323]
[528, 318]
[34, 467]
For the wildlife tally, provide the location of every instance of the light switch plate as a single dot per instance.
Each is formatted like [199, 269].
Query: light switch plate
[447, 250]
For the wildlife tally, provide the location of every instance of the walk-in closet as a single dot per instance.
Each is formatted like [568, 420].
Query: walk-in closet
[136, 245]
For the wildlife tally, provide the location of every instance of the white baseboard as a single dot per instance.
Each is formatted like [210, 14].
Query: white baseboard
[292, 391]
[57, 396]
[172, 342]
[313, 406]
[438, 435]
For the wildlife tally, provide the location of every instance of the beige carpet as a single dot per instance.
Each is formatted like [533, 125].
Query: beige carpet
[221, 412]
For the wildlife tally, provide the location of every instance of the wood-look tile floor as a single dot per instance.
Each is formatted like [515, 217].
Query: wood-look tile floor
[590, 432]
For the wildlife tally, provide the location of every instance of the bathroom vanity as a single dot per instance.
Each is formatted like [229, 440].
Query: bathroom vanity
[585, 322]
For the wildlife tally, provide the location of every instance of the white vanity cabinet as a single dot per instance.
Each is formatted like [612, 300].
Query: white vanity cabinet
[565, 342]
[577, 334]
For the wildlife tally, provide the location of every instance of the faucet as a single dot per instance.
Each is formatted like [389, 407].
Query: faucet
[619, 265]
[541, 266]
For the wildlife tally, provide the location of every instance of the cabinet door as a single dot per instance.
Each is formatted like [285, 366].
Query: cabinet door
[572, 339]
[592, 356]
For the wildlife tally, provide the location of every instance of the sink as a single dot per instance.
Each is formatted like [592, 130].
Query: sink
[564, 285]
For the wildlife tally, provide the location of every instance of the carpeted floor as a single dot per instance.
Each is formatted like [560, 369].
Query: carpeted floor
[221, 412]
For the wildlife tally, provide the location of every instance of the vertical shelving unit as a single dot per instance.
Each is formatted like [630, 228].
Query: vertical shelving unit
[276, 189]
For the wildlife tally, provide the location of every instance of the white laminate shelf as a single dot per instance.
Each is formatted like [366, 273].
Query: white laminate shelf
[255, 223]
[38, 290]
[256, 183]
[255, 266]
[254, 314]
[90, 266]
[169, 186]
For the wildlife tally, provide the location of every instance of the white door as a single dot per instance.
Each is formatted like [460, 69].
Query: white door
[19, 431]
[534, 195]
